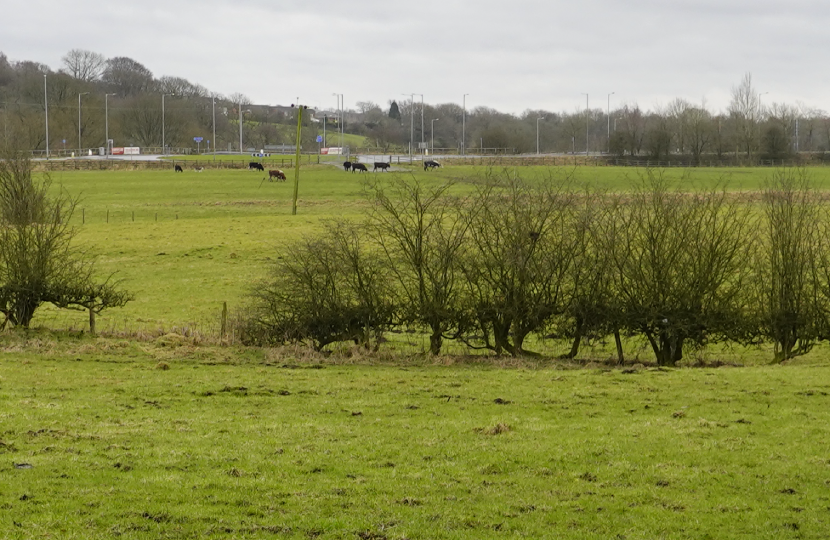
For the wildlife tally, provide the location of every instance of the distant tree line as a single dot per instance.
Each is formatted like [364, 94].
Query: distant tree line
[515, 258]
[749, 130]
[124, 94]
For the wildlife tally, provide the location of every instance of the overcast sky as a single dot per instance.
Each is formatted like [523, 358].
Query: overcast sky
[508, 55]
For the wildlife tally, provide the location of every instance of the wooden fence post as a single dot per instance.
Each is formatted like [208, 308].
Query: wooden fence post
[224, 319]
[91, 320]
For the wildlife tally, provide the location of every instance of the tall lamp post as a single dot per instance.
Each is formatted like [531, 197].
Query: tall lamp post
[464, 124]
[587, 111]
[432, 126]
[760, 113]
[240, 127]
[80, 146]
[107, 124]
[163, 142]
[537, 133]
[214, 128]
[340, 117]
[422, 118]
[608, 114]
[760, 107]
[411, 122]
[46, 108]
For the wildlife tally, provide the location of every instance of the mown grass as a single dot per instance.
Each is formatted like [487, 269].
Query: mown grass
[117, 439]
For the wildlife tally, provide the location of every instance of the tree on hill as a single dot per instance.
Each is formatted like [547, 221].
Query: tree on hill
[84, 65]
[394, 111]
[127, 77]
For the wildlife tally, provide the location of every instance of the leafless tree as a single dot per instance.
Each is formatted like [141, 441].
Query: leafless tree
[678, 259]
[592, 310]
[422, 235]
[127, 77]
[746, 113]
[791, 265]
[38, 261]
[324, 289]
[521, 250]
[84, 65]
[699, 131]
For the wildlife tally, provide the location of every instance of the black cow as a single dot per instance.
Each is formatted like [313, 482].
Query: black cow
[178, 168]
[347, 165]
[278, 174]
[431, 164]
[381, 166]
[359, 167]
[254, 166]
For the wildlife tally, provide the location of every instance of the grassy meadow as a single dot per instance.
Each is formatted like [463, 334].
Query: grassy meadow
[169, 436]
[187, 242]
[106, 438]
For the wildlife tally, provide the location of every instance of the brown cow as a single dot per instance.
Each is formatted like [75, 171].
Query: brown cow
[276, 173]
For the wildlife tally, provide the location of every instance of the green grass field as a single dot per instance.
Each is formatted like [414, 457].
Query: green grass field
[187, 242]
[172, 437]
[115, 439]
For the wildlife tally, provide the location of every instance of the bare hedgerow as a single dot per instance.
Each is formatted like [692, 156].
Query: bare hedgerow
[516, 268]
[678, 259]
[792, 270]
[422, 237]
[323, 289]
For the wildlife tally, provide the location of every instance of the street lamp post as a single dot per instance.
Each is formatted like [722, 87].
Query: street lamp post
[214, 128]
[760, 113]
[80, 146]
[340, 117]
[107, 124]
[760, 107]
[163, 142]
[608, 114]
[240, 126]
[411, 122]
[46, 108]
[587, 112]
[422, 119]
[537, 133]
[464, 124]
[432, 126]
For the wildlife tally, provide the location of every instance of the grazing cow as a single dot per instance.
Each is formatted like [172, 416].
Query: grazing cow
[381, 166]
[178, 168]
[198, 169]
[359, 167]
[278, 174]
[347, 165]
[254, 166]
[431, 164]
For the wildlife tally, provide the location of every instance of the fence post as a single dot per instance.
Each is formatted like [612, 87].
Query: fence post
[108, 215]
[224, 319]
[91, 319]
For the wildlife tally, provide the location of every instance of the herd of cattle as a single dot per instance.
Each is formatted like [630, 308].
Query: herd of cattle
[347, 166]
[354, 166]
